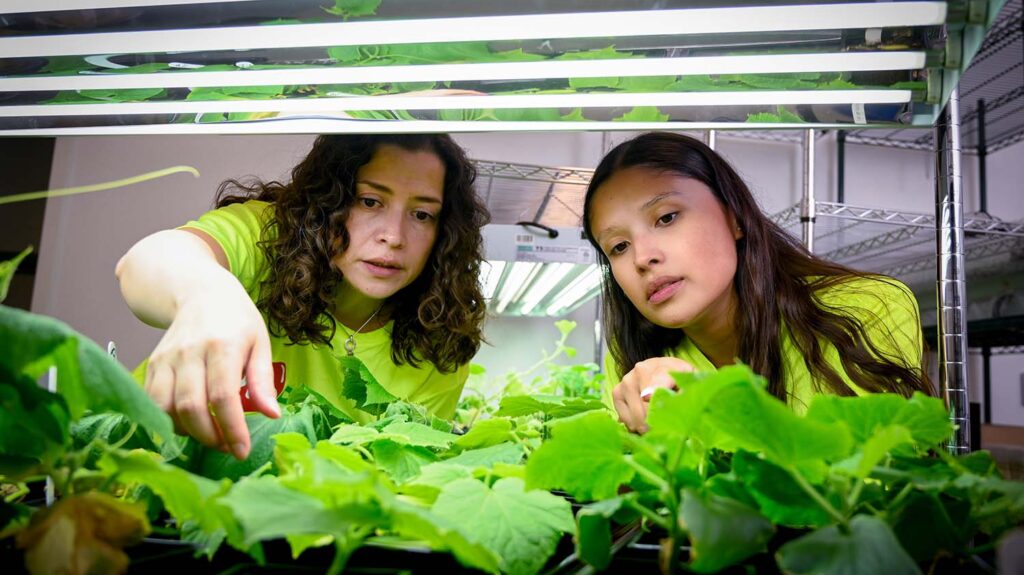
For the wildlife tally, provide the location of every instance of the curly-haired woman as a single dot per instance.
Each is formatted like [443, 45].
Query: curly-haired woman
[372, 250]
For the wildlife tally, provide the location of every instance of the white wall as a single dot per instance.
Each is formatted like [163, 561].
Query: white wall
[84, 235]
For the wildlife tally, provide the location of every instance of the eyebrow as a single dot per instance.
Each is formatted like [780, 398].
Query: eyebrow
[384, 189]
[647, 205]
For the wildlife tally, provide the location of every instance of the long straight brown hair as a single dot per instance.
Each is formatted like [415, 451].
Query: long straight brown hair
[777, 281]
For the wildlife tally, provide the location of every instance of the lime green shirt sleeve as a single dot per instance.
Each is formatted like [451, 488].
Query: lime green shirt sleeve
[239, 228]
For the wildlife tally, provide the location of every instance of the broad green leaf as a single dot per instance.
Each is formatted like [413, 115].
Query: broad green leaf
[870, 548]
[34, 427]
[731, 486]
[763, 118]
[401, 462]
[745, 412]
[487, 457]
[487, 432]
[353, 8]
[417, 434]
[521, 527]
[927, 525]
[361, 387]
[107, 429]
[433, 477]
[647, 83]
[594, 535]
[266, 509]
[419, 523]
[579, 446]
[565, 327]
[351, 434]
[643, 114]
[87, 377]
[925, 417]
[778, 495]
[722, 531]
[875, 449]
[556, 406]
[8, 269]
[216, 464]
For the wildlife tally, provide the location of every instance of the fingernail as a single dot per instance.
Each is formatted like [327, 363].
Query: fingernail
[239, 450]
[646, 393]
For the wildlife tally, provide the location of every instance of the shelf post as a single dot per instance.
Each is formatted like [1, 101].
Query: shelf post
[807, 206]
[709, 138]
[951, 284]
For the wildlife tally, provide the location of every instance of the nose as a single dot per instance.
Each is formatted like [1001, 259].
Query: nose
[391, 231]
[646, 253]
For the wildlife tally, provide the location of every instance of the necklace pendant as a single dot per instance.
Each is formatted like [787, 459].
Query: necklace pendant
[350, 345]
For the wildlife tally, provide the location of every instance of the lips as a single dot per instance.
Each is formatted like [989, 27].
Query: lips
[662, 288]
[384, 263]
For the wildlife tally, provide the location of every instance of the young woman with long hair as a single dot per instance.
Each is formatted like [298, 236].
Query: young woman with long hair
[372, 249]
[697, 277]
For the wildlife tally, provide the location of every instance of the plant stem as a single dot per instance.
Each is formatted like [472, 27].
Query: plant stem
[127, 436]
[901, 495]
[851, 501]
[648, 475]
[651, 515]
[813, 493]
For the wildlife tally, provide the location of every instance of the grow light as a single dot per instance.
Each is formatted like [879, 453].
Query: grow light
[487, 28]
[582, 100]
[622, 68]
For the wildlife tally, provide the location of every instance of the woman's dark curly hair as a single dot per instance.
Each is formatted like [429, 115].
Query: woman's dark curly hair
[438, 317]
[777, 283]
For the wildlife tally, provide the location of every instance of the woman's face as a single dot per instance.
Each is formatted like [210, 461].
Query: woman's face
[393, 223]
[671, 245]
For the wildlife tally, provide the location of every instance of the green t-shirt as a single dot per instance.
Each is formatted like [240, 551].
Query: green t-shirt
[238, 228]
[885, 307]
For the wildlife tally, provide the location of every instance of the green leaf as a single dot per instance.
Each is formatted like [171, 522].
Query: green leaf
[361, 387]
[87, 377]
[778, 495]
[555, 406]
[107, 429]
[869, 548]
[487, 432]
[722, 531]
[417, 434]
[579, 446]
[521, 527]
[594, 536]
[351, 434]
[925, 417]
[8, 269]
[928, 526]
[487, 457]
[353, 8]
[565, 327]
[216, 464]
[647, 83]
[266, 509]
[763, 118]
[433, 477]
[608, 53]
[34, 428]
[588, 83]
[643, 114]
[875, 450]
[401, 462]
[418, 523]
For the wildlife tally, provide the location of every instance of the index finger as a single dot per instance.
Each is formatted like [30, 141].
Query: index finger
[223, 380]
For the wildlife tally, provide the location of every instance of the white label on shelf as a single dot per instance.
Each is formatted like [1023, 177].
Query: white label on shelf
[858, 114]
[524, 239]
[569, 254]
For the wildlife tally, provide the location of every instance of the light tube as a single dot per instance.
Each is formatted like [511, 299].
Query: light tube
[399, 102]
[485, 28]
[574, 292]
[552, 275]
[756, 64]
[515, 281]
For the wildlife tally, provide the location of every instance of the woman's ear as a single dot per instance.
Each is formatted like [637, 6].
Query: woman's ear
[737, 229]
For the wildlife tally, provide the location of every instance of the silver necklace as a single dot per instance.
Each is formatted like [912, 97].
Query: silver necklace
[350, 343]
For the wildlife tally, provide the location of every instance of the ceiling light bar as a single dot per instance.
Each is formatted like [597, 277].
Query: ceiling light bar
[582, 100]
[488, 28]
[16, 6]
[551, 277]
[352, 126]
[756, 64]
[517, 279]
[582, 288]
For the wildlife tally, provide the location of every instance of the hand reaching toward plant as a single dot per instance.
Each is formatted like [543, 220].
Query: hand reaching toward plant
[632, 395]
[215, 337]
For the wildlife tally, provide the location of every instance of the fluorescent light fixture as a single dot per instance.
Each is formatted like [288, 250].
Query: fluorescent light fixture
[16, 6]
[346, 126]
[519, 277]
[583, 287]
[492, 273]
[552, 275]
[627, 67]
[487, 28]
[398, 102]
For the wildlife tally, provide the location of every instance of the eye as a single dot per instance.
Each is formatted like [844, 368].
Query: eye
[369, 202]
[618, 248]
[668, 218]
[422, 216]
